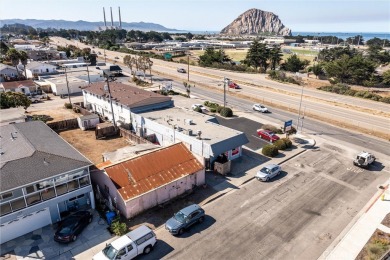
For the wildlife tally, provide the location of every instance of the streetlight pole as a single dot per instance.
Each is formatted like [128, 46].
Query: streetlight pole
[89, 80]
[224, 91]
[299, 110]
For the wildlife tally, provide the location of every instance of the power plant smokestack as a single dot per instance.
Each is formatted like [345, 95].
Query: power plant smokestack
[112, 21]
[104, 14]
[120, 19]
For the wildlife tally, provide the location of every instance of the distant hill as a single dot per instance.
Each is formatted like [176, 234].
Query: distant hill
[84, 25]
[256, 21]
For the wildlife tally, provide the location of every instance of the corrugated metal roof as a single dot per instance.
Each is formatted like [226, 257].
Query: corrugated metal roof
[157, 168]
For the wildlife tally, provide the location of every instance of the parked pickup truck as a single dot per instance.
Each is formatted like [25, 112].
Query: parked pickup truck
[139, 241]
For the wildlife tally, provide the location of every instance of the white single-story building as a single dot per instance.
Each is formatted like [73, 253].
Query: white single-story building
[36, 68]
[7, 72]
[88, 121]
[147, 180]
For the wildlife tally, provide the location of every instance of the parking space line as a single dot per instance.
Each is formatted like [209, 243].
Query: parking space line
[345, 184]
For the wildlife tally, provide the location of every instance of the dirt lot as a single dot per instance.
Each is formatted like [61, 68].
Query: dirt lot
[84, 141]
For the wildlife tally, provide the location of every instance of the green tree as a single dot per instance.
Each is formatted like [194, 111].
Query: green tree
[14, 56]
[356, 40]
[316, 69]
[14, 99]
[275, 56]
[353, 70]
[23, 56]
[257, 56]
[294, 64]
[378, 55]
[378, 42]
[386, 78]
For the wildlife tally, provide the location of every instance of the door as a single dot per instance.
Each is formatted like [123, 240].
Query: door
[131, 252]
[24, 224]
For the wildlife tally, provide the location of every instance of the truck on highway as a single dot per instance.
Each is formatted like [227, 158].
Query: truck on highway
[139, 241]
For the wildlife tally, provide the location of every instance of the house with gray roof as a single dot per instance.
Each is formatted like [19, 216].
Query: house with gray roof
[7, 72]
[35, 68]
[42, 178]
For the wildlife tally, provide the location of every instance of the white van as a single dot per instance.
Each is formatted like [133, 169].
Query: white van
[139, 241]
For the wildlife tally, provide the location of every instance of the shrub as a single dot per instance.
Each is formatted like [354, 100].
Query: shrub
[213, 110]
[118, 228]
[350, 92]
[293, 130]
[280, 144]
[198, 109]
[270, 150]
[68, 105]
[219, 108]
[385, 100]
[287, 142]
[272, 128]
[206, 103]
[226, 112]
[360, 93]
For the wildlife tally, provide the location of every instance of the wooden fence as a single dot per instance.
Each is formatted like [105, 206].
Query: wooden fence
[64, 124]
[132, 137]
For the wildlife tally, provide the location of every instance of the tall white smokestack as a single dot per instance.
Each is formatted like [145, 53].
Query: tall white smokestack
[104, 14]
[120, 19]
[112, 21]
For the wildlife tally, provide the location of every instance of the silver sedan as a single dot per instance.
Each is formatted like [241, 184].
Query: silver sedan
[268, 172]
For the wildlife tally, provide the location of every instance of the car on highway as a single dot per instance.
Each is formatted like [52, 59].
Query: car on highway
[260, 108]
[234, 85]
[267, 135]
[268, 172]
[72, 226]
[184, 219]
[181, 70]
[195, 106]
[116, 57]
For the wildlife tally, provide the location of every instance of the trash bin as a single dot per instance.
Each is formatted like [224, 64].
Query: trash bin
[110, 216]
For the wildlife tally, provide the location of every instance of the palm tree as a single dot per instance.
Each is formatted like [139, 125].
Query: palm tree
[275, 57]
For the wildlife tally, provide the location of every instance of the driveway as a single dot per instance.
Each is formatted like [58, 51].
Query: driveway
[40, 244]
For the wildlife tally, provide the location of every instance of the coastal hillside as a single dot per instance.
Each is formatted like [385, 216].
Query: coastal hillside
[84, 25]
[256, 21]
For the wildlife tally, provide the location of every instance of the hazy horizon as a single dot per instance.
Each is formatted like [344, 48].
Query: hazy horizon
[213, 15]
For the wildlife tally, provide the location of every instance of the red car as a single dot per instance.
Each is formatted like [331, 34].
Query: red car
[234, 85]
[267, 135]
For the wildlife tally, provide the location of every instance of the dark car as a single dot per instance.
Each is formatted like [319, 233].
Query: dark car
[181, 70]
[71, 227]
[267, 135]
[184, 219]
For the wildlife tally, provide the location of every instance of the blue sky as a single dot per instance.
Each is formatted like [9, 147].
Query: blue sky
[213, 15]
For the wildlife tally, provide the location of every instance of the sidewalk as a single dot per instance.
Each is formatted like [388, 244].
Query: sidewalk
[352, 240]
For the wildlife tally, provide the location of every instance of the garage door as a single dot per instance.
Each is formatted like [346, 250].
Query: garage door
[24, 224]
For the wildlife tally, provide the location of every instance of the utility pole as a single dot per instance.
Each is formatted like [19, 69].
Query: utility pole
[67, 85]
[188, 67]
[299, 110]
[224, 91]
[107, 87]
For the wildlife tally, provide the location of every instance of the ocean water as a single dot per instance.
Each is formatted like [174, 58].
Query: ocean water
[341, 35]
[344, 35]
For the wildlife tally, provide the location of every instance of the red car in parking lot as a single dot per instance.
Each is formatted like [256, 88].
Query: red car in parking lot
[267, 135]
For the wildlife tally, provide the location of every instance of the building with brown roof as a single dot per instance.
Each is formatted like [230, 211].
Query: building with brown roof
[125, 99]
[148, 179]
[24, 86]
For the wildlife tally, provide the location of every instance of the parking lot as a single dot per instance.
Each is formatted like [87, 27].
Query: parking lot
[295, 216]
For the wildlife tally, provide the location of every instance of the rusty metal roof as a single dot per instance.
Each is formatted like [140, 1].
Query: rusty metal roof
[157, 168]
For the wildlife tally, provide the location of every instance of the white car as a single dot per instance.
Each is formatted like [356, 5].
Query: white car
[268, 172]
[194, 106]
[260, 108]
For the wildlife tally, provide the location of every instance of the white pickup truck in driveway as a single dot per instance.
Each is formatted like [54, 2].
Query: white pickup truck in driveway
[139, 241]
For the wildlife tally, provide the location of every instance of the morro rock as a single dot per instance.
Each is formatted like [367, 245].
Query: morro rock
[255, 21]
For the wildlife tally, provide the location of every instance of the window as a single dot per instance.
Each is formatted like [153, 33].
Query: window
[129, 248]
[121, 253]
[144, 238]
[6, 195]
[30, 189]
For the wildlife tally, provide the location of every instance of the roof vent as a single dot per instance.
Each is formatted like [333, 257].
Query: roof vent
[45, 162]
